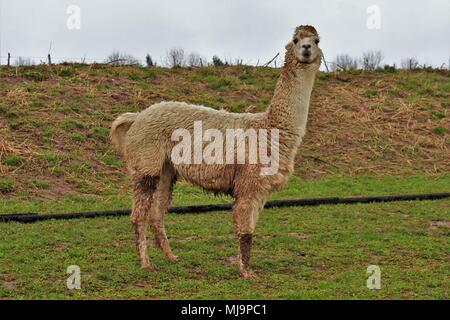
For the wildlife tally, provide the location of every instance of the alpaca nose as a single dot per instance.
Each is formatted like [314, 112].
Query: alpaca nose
[306, 50]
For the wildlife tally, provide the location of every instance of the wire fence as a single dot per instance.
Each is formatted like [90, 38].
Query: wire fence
[12, 60]
[20, 60]
[328, 66]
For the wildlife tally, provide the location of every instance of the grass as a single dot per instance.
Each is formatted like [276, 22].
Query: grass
[78, 137]
[40, 184]
[299, 253]
[71, 124]
[438, 114]
[12, 160]
[440, 131]
[184, 194]
[6, 185]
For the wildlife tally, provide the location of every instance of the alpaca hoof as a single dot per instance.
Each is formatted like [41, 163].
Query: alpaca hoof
[149, 267]
[247, 274]
[173, 258]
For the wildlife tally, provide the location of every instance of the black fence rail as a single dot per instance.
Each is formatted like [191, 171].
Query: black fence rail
[34, 217]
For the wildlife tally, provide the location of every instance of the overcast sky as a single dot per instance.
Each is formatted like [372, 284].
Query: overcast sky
[249, 29]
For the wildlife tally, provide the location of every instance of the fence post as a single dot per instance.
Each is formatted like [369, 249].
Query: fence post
[9, 59]
[325, 62]
[49, 59]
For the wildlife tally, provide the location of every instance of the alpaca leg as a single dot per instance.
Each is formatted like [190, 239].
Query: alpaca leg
[143, 193]
[246, 214]
[161, 200]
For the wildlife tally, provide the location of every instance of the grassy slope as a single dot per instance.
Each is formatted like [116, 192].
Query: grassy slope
[54, 122]
[368, 134]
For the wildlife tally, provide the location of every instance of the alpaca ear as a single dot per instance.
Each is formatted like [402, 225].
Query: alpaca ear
[289, 45]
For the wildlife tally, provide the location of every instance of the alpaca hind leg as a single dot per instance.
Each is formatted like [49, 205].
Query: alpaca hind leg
[142, 203]
[246, 213]
[161, 200]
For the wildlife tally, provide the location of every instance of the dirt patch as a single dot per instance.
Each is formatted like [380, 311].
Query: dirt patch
[61, 245]
[7, 282]
[184, 239]
[434, 225]
[232, 259]
[320, 267]
[146, 283]
[8, 285]
[299, 236]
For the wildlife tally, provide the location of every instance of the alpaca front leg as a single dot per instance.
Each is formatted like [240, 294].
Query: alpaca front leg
[246, 213]
[245, 242]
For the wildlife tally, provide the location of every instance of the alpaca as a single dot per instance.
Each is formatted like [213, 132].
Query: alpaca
[144, 140]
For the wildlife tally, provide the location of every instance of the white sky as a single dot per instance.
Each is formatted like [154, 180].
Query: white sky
[249, 29]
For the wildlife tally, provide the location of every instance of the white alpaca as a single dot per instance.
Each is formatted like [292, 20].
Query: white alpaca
[145, 140]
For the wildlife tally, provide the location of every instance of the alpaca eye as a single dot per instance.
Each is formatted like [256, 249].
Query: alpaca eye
[295, 41]
[317, 41]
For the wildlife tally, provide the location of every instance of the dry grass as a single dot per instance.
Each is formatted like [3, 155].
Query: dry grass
[54, 121]
[370, 124]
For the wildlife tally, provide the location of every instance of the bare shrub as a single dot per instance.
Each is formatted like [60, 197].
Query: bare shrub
[234, 61]
[238, 62]
[175, 58]
[196, 60]
[371, 60]
[344, 62]
[20, 61]
[149, 61]
[122, 59]
[410, 63]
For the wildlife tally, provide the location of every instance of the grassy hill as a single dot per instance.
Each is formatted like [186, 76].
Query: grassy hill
[368, 133]
[54, 121]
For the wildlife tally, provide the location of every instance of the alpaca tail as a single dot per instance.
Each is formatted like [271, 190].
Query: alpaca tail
[119, 129]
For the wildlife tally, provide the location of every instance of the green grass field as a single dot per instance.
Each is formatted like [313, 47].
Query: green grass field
[299, 253]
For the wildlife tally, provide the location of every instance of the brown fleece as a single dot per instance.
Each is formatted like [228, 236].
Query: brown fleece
[245, 246]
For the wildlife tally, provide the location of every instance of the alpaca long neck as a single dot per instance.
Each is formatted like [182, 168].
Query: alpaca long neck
[289, 107]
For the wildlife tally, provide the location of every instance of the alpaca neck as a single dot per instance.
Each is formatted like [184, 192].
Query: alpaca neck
[289, 107]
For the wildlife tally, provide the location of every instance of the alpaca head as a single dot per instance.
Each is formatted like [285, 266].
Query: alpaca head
[305, 45]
